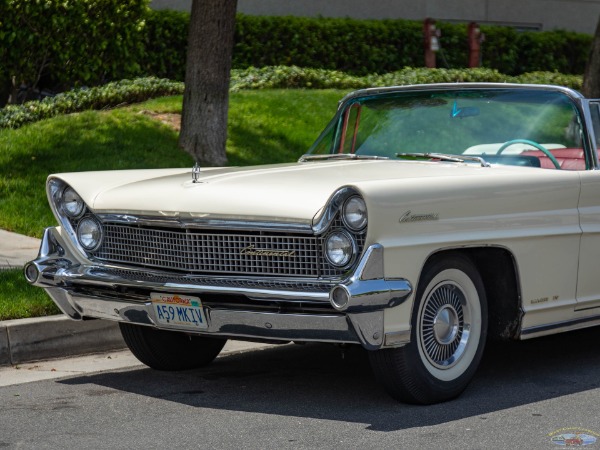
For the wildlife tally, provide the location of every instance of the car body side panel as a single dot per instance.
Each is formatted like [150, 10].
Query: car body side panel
[534, 217]
[588, 295]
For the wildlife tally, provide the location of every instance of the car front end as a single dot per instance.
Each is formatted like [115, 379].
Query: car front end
[250, 279]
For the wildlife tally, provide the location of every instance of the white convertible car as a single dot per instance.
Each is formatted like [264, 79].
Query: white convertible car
[423, 221]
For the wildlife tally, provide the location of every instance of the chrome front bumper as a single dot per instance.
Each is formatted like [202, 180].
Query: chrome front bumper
[347, 312]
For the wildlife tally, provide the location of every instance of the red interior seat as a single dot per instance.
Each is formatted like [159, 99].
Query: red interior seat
[568, 158]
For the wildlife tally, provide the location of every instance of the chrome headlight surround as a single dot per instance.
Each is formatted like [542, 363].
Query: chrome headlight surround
[71, 203]
[71, 211]
[345, 212]
[354, 213]
[340, 248]
[89, 233]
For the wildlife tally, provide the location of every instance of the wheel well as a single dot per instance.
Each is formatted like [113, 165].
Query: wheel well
[498, 271]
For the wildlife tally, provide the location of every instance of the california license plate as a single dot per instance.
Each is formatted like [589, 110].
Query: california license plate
[181, 311]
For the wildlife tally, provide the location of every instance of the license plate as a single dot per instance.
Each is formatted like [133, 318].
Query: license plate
[179, 311]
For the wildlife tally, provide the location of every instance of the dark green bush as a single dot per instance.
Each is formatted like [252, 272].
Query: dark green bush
[70, 42]
[74, 43]
[165, 43]
[359, 47]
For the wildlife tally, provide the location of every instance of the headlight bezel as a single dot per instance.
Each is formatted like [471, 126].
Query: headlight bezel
[100, 231]
[331, 219]
[362, 224]
[56, 189]
[351, 256]
[81, 210]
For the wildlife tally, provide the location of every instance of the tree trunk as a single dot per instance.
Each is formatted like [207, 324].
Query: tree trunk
[206, 95]
[591, 77]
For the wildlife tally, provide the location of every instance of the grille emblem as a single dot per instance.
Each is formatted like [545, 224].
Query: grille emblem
[253, 251]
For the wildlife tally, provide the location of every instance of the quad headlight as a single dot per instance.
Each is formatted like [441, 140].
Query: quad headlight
[354, 213]
[89, 233]
[71, 203]
[76, 218]
[339, 248]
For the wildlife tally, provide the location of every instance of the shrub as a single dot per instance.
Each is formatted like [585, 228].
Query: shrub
[165, 44]
[110, 95]
[572, 81]
[296, 77]
[70, 42]
[355, 46]
[74, 43]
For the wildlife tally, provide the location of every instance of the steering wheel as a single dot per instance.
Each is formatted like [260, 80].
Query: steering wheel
[540, 147]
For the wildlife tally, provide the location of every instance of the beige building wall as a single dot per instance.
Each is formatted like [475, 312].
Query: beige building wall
[574, 15]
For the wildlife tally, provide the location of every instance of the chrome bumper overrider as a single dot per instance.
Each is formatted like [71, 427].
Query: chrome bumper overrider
[347, 312]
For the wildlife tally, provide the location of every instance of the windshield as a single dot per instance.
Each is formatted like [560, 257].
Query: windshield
[507, 126]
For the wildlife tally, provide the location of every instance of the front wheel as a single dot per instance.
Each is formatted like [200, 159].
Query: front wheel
[449, 328]
[170, 350]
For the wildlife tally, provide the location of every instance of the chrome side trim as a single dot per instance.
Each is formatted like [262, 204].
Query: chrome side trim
[559, 327]
[397, 338]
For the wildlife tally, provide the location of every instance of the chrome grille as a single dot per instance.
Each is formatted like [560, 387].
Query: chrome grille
[211, 252]
[271, 284]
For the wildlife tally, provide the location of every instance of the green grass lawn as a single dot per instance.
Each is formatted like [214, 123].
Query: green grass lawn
[264, 127]
[269, 126]
[19, 300]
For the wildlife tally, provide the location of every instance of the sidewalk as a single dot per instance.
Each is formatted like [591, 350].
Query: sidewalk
[16, 249]
[43, 338]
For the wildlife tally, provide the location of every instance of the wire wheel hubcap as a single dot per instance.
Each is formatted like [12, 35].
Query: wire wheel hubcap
[445, 325]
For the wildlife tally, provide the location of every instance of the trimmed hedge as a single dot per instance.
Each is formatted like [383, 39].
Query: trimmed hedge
[361, 47]
[93, 41]
[355, 46]
[131, 91]
[165, 43]
[68, 43]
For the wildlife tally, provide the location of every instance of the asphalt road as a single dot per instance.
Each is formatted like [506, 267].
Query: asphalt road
[309, 397]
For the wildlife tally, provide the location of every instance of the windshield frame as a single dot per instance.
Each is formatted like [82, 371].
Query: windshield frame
[337, 126]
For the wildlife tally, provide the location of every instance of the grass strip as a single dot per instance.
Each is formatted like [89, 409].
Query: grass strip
[19, 300]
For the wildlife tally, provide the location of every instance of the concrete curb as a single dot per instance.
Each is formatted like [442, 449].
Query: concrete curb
[27, 340]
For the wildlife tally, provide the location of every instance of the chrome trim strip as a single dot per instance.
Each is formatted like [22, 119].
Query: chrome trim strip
[559, 327]
[201, 223]
[397, 338]
[51, 274]
[456, 86]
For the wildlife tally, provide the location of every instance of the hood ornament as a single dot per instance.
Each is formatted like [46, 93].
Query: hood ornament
[195, 173]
